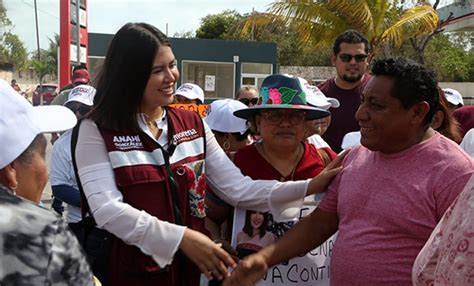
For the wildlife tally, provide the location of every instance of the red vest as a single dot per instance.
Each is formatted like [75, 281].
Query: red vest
[142, 178]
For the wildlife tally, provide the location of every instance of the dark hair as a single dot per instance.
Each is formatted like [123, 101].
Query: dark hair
[248, 229]
[79, 67]
[237, 135]
[413, 83]
[124, 76]
[449, 126]
[350, 37]
[27, 156]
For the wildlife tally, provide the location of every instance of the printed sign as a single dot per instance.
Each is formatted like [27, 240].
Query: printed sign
[254, 230]
[210, 83]
[200, 109]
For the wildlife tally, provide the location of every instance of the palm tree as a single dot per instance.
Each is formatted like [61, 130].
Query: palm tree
[386, 24]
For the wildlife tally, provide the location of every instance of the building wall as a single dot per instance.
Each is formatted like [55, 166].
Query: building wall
[311, 74]
[218, 66]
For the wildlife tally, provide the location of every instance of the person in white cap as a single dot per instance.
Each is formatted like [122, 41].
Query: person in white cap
[467, 142]
[454, 98]
[189, 93]
[62, 176]
[231, 132]
[37, 247]
[316, 128]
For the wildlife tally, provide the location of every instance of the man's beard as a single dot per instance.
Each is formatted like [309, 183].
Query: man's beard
[352, 78]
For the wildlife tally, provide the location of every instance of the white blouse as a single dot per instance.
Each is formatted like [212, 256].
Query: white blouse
[161, 239]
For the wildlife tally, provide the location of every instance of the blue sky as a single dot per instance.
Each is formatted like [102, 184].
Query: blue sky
[107, 16]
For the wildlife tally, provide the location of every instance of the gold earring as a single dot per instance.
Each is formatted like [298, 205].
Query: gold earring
[226, 145]
[13, 187]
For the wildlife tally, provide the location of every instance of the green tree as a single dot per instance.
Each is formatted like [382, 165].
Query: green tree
[41, 68]
[48, 65]
[5, 23]
[387, 24]
[217, 26]
[449, 59]
[13, 51]
[185, 35]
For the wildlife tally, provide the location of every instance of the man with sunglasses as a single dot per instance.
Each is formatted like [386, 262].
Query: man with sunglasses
[63, 180]
[351, 58]
[248, 95]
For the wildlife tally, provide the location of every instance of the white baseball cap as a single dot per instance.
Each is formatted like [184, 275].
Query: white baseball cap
[220, 116]
[20, 122]
[83, 94]
[316, 98]
[453, 96]
[191, 91]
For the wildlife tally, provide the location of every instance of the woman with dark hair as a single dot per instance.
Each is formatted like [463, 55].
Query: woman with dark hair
[254, 235]
[444, 121]
[144, 167]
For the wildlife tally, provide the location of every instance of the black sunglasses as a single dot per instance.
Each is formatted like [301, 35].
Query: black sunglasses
[247, 101]
[358, 58]
[79, 108]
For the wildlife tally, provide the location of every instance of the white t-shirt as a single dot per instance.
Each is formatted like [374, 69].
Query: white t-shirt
[61, 172]
[468, 142]
[161, 239]
[317, 141]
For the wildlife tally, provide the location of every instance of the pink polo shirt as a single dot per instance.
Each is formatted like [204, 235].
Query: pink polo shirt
[388, 205]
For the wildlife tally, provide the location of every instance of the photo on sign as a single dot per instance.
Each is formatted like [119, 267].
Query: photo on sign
[253, 230]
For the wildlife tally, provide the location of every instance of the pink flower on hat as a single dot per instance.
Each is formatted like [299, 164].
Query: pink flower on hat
[274, 95]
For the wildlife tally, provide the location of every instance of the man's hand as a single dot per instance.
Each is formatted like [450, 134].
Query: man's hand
[249, 271]
[211, 259]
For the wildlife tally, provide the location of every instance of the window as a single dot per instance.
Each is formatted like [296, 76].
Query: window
[216, 79]
[94, 67]
[254, 73]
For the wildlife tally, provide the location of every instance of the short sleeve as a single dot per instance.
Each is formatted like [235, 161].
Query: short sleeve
[330, 199]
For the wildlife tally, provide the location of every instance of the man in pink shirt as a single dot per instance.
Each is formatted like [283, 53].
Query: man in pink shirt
[390, 195]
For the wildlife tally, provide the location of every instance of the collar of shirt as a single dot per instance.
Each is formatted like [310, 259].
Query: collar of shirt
[161, 123]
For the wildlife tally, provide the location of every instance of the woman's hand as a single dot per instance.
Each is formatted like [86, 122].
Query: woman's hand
[211, 259]
[319, 183]
[250, 270]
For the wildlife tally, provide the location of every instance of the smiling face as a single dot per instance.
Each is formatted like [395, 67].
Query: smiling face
[256, 220]
[281, 127]
[159, 89]
[352, 70]
[385, 125]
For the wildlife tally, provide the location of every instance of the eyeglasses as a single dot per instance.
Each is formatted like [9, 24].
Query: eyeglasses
[247, 101]
[79, 108]
[358, 58]
[276, 117]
